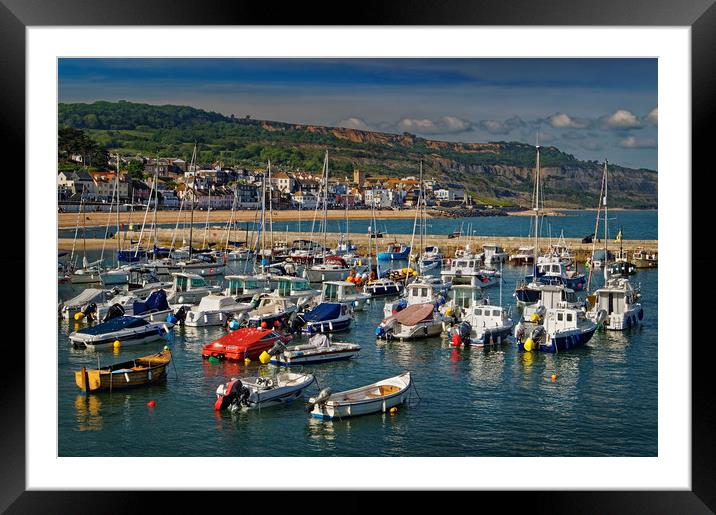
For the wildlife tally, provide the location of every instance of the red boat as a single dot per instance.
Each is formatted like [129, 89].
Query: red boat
[248, 342]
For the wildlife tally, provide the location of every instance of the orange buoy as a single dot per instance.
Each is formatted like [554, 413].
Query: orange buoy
[554, 377]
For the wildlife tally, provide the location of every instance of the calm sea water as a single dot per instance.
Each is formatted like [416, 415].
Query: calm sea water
[638, 225]
[466, 403]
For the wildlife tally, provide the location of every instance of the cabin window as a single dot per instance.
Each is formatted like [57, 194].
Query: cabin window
[330, 291]
[496, 313]
[284, 288]
[424, 292]
[197, 282]
[559, 317]
[569, 317]
[478, 312]
[472, 264]
[251, 285]
[181, 283]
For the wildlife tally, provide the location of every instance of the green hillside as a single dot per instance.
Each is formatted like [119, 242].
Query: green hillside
[492, 170]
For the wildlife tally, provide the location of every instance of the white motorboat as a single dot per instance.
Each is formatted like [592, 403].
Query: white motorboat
[414, 322]
[244, 287]
[523, 256]
[271, 308]
[296, 289]
[383, 286]
[319, 349]
[619, 300]
[493, 254]
[189, 288]
[248, 393]
[374, 398]
[77, 304]
[215, 310]
[419, 292]
[483, 324]
[153, 308]
[334, 268]
[557, 330]
[469, 270]
[127, 330]
[114, 277]
[344, 292]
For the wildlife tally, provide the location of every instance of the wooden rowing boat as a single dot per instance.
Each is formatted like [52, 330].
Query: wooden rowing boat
[128, 374]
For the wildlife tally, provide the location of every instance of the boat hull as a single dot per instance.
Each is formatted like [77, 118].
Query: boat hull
[317, 276]
[342, 323]
[298, 358]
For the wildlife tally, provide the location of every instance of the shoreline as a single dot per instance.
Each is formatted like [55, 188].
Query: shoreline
[99, 219]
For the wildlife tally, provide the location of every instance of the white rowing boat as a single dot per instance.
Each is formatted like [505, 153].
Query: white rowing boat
[374, 398]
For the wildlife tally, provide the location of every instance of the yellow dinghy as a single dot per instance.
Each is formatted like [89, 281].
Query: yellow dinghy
[128, 374]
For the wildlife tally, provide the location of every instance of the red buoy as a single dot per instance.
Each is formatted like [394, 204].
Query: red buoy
[456, 340]
[151, 404]
[276, 323]
[264, 325]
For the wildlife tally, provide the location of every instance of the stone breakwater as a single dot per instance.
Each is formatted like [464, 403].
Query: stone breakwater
[580, 251]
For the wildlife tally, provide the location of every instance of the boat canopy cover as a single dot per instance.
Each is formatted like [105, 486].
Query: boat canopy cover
[216, 302]
[116, 324]
[320, 341]
[324, 311]
[415, 313]
[237, 243]
[88, 296]
[157, 300]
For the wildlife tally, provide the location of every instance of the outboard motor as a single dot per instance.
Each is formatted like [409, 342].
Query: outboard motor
[180, 315]
[277, 348]
[297, 323]
[231, 393]
[537, 333]
[114, 311]
[601, 316]
[321, 398]
[89, 311]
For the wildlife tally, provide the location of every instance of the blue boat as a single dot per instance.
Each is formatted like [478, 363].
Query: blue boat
[131, 255]
[395, 251]
[327, 317]
[560, 329]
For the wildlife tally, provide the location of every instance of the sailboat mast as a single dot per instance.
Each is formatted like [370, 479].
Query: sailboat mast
[325, 204]
[119, 240]
[193, 194]
[536, 210]
[606, 231]
[270, 190]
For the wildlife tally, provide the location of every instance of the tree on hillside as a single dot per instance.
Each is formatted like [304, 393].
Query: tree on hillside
[72, 141]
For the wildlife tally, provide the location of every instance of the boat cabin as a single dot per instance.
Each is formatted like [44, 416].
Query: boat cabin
[464, 296]
[556, 296]
[245, 285]
[420, 293]
[616, 297]
[186, 282]
[336, 291]
[562, 319]
[294, 286]
[493, 252]
[486, 316]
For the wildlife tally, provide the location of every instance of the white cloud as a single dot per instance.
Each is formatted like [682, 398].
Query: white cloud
[444, 125]
[500, 127]
[354, 123]
[632, 142]
[564, 121]
[653, 116]
[621, 119]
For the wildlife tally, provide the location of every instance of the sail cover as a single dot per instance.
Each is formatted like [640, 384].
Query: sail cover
[116, 324]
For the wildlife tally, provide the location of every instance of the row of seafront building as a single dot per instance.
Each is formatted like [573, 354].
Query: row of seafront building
[220, 187]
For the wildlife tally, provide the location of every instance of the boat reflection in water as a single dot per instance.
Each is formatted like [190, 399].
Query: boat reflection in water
[88, 413]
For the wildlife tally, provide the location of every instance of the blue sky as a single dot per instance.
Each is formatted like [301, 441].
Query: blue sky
[592, 108]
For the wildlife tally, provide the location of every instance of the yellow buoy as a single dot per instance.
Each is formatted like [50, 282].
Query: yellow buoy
[534, 317]
[264, 357]
[247, 361]
[449, 312]
[79, 315]
[393, 410]
[529, 344]
[116, 344]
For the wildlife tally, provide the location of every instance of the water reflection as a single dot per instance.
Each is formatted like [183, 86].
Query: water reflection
[87, 413]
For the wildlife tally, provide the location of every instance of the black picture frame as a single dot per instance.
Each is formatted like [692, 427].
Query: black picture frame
[700, 15]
